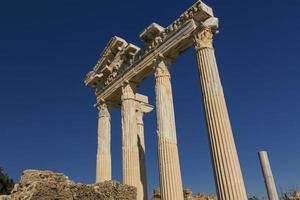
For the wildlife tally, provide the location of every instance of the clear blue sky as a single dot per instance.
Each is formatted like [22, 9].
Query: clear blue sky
[47, 118]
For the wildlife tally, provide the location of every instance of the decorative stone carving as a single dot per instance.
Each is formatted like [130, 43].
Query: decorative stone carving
[161, 66]
[103, 109]
[114, 66]
[102, 68]
[151, 33]
[155, 35]
[203, 38]
[114, 61]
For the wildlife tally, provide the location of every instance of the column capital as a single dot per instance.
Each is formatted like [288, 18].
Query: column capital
[203, 36]
[128, 90]
[161, 66]
[103, 109]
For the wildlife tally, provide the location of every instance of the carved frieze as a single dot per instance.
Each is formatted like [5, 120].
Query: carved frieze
[114, 60]
[121, 61]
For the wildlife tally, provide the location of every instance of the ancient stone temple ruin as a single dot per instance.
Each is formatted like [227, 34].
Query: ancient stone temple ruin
[115, 78]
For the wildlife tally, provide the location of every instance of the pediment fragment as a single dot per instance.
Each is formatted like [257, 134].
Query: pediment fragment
[114, 59]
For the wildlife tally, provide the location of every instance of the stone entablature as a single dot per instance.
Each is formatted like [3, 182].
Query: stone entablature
[121, 61]
[114, 60]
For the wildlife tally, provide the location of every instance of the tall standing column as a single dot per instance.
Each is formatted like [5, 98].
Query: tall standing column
[103, 168]
[227, 171]
[130, 151]
[268, 176]
[142, 107]
[169, 167]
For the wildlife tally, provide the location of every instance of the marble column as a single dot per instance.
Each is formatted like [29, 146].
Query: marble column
[103, 168]
[227, 171]
[268, 176]
[130, 151]
[169, 167]
[142, 108]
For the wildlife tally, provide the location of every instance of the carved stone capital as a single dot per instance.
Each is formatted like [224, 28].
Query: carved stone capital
[128, 90]
[203, 37]
[162, 66]
[211, 23]
[103, 109]
[162, 72]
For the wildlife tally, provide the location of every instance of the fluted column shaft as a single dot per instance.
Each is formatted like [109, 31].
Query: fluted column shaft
[140, 128]
[268, 175]
[103, 163]
[169, 167]
[142, 150]
[130, 152]
[227, 171]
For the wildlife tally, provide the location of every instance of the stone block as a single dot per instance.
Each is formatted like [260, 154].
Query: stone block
[47, 185]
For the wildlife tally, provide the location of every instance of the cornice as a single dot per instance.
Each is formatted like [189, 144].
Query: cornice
[121, 61]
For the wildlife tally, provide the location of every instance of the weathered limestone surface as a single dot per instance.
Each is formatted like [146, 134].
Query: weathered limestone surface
[204, 197]
[5, 197]
[142, 107]
[294, 196]
[46, 185]
[103, 168]
[168, 158]
[227, 171]
[268, 176]
[130, 150]
[188, 195]
[142, 150]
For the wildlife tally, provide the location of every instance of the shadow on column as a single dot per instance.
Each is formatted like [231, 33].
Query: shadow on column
[142, 162]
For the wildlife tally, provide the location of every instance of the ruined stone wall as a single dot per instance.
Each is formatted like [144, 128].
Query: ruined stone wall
[46, 185]
[188, 195]
[294, 196]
